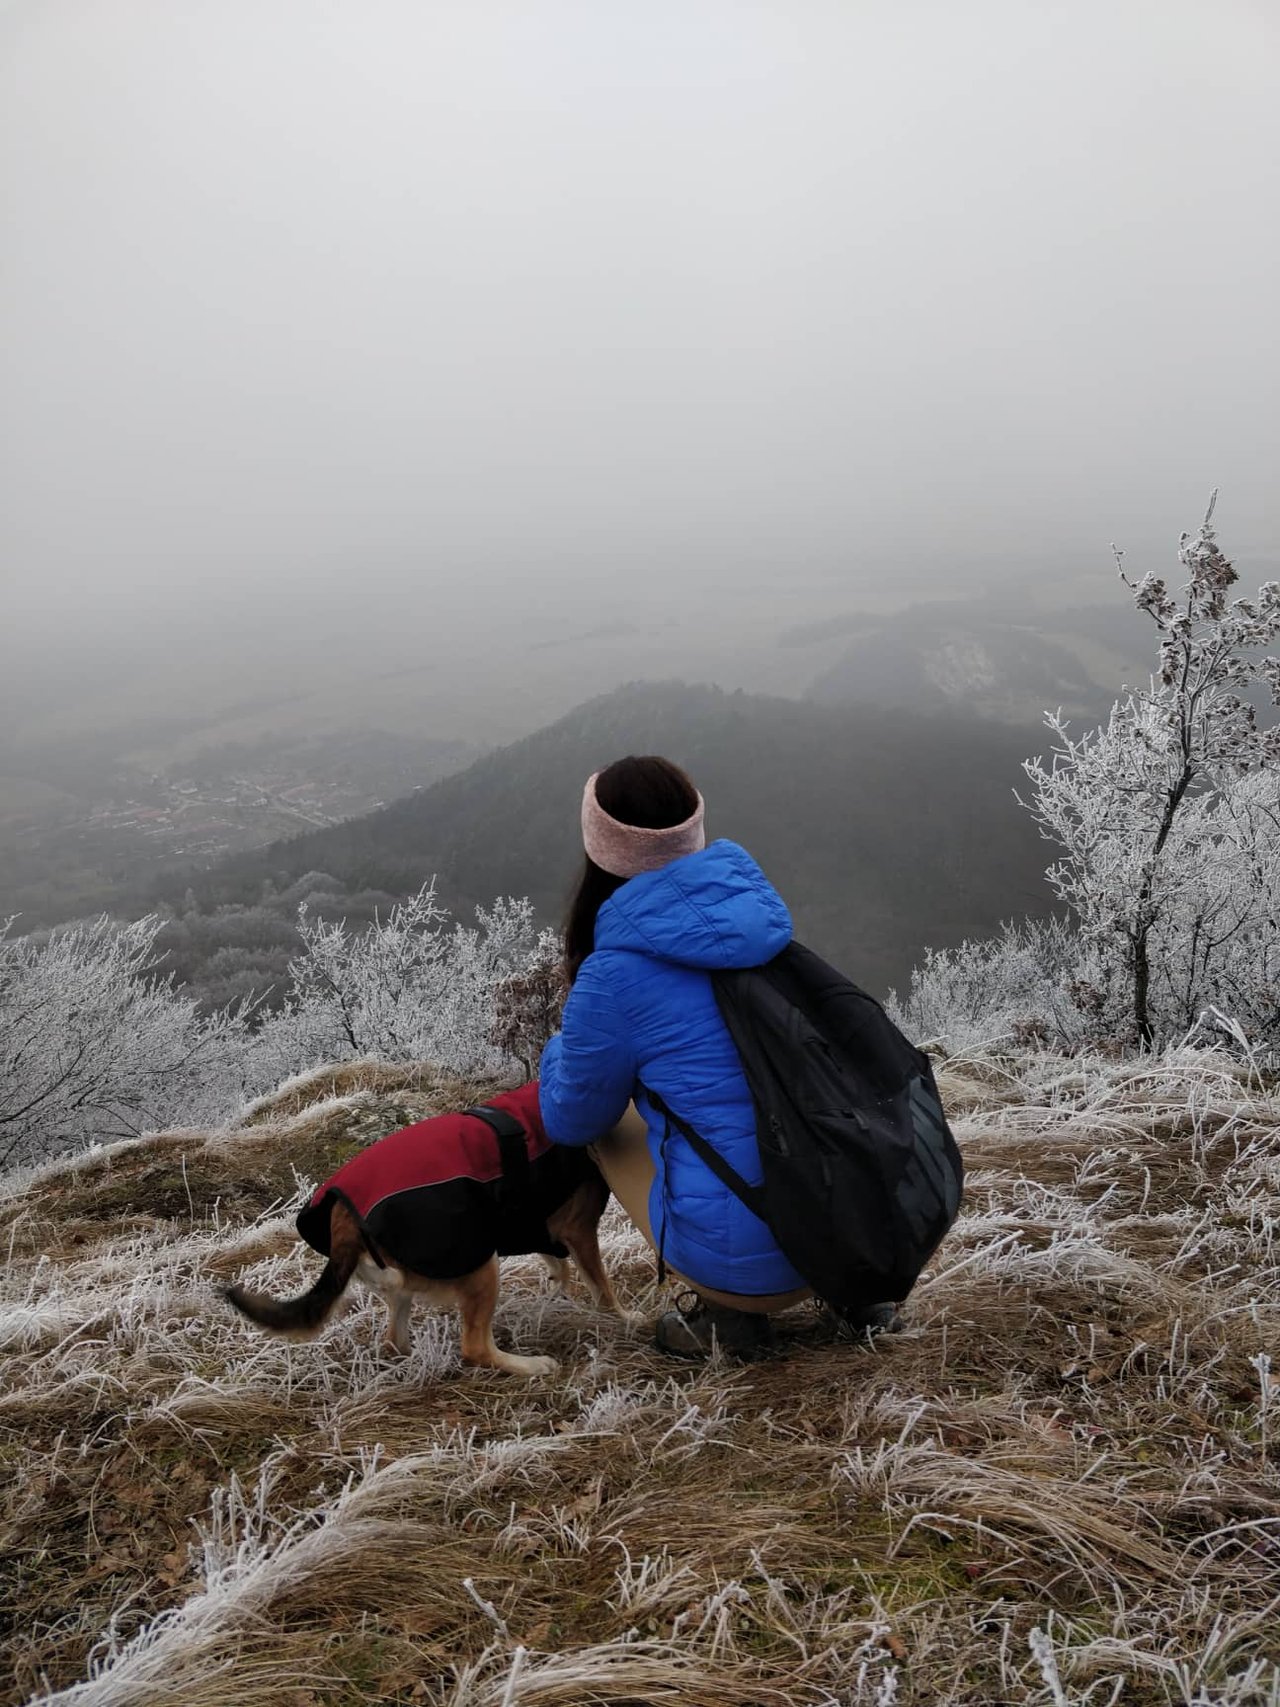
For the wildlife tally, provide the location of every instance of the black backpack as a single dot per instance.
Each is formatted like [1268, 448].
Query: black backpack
[862, 1177]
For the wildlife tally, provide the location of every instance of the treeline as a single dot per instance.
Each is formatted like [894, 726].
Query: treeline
[230, 952]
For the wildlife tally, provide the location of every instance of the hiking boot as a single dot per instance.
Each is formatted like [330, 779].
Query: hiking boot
[868, 1321]
[695, 1328]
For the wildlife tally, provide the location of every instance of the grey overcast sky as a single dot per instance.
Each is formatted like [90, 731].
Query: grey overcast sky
[323, 317]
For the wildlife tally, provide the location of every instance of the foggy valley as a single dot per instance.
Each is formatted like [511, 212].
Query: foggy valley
[360, 437]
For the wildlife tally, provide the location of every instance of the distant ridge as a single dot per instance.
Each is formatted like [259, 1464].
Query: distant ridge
[886, 831]
[1002, 663]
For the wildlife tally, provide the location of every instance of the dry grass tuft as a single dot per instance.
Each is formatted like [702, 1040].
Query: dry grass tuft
[1059, 1486]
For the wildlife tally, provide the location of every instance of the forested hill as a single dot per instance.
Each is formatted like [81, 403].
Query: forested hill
[886, 831]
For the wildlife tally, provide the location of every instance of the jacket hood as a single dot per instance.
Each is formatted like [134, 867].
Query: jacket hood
[714, 909]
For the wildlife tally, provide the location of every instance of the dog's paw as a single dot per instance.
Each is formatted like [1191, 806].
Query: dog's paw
[510, 1364]
[632, 1320]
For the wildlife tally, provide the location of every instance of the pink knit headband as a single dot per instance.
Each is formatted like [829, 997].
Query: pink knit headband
[625, 850]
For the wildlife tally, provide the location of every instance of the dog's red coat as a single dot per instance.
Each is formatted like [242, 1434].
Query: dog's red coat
[413, 1192]
[432, 1152]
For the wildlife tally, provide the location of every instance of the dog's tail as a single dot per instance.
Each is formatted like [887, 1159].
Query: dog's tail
[302, 1318]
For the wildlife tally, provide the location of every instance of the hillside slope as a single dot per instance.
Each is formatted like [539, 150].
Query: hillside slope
[1001, 671]
[1001, 656]
[884, 831]
[1059, 1485]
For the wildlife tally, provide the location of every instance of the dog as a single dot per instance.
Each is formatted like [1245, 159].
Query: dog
[427, 1211]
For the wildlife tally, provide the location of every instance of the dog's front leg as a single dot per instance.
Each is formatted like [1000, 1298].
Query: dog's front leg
[586, 1253]
[574, 1225]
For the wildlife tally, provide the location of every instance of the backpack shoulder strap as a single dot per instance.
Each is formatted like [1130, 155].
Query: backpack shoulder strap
[511, 1145]
[728, 1175]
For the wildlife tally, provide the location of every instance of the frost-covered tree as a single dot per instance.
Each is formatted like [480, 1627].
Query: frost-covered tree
[1220, 947]
[412, 986]
[1168, 854]
[94, 1046]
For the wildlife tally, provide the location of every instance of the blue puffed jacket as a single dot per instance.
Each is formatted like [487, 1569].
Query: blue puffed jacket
[643, 1011]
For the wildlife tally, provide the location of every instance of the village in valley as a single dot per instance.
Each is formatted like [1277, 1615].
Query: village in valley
[64, 837]
[216, 815]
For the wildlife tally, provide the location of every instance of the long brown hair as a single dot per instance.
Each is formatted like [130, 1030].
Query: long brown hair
[651, 793]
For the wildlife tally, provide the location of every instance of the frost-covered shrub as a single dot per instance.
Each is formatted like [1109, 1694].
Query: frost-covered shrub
[94, 1047]
[527, 1007]
[413, 986]
[1037, 982]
